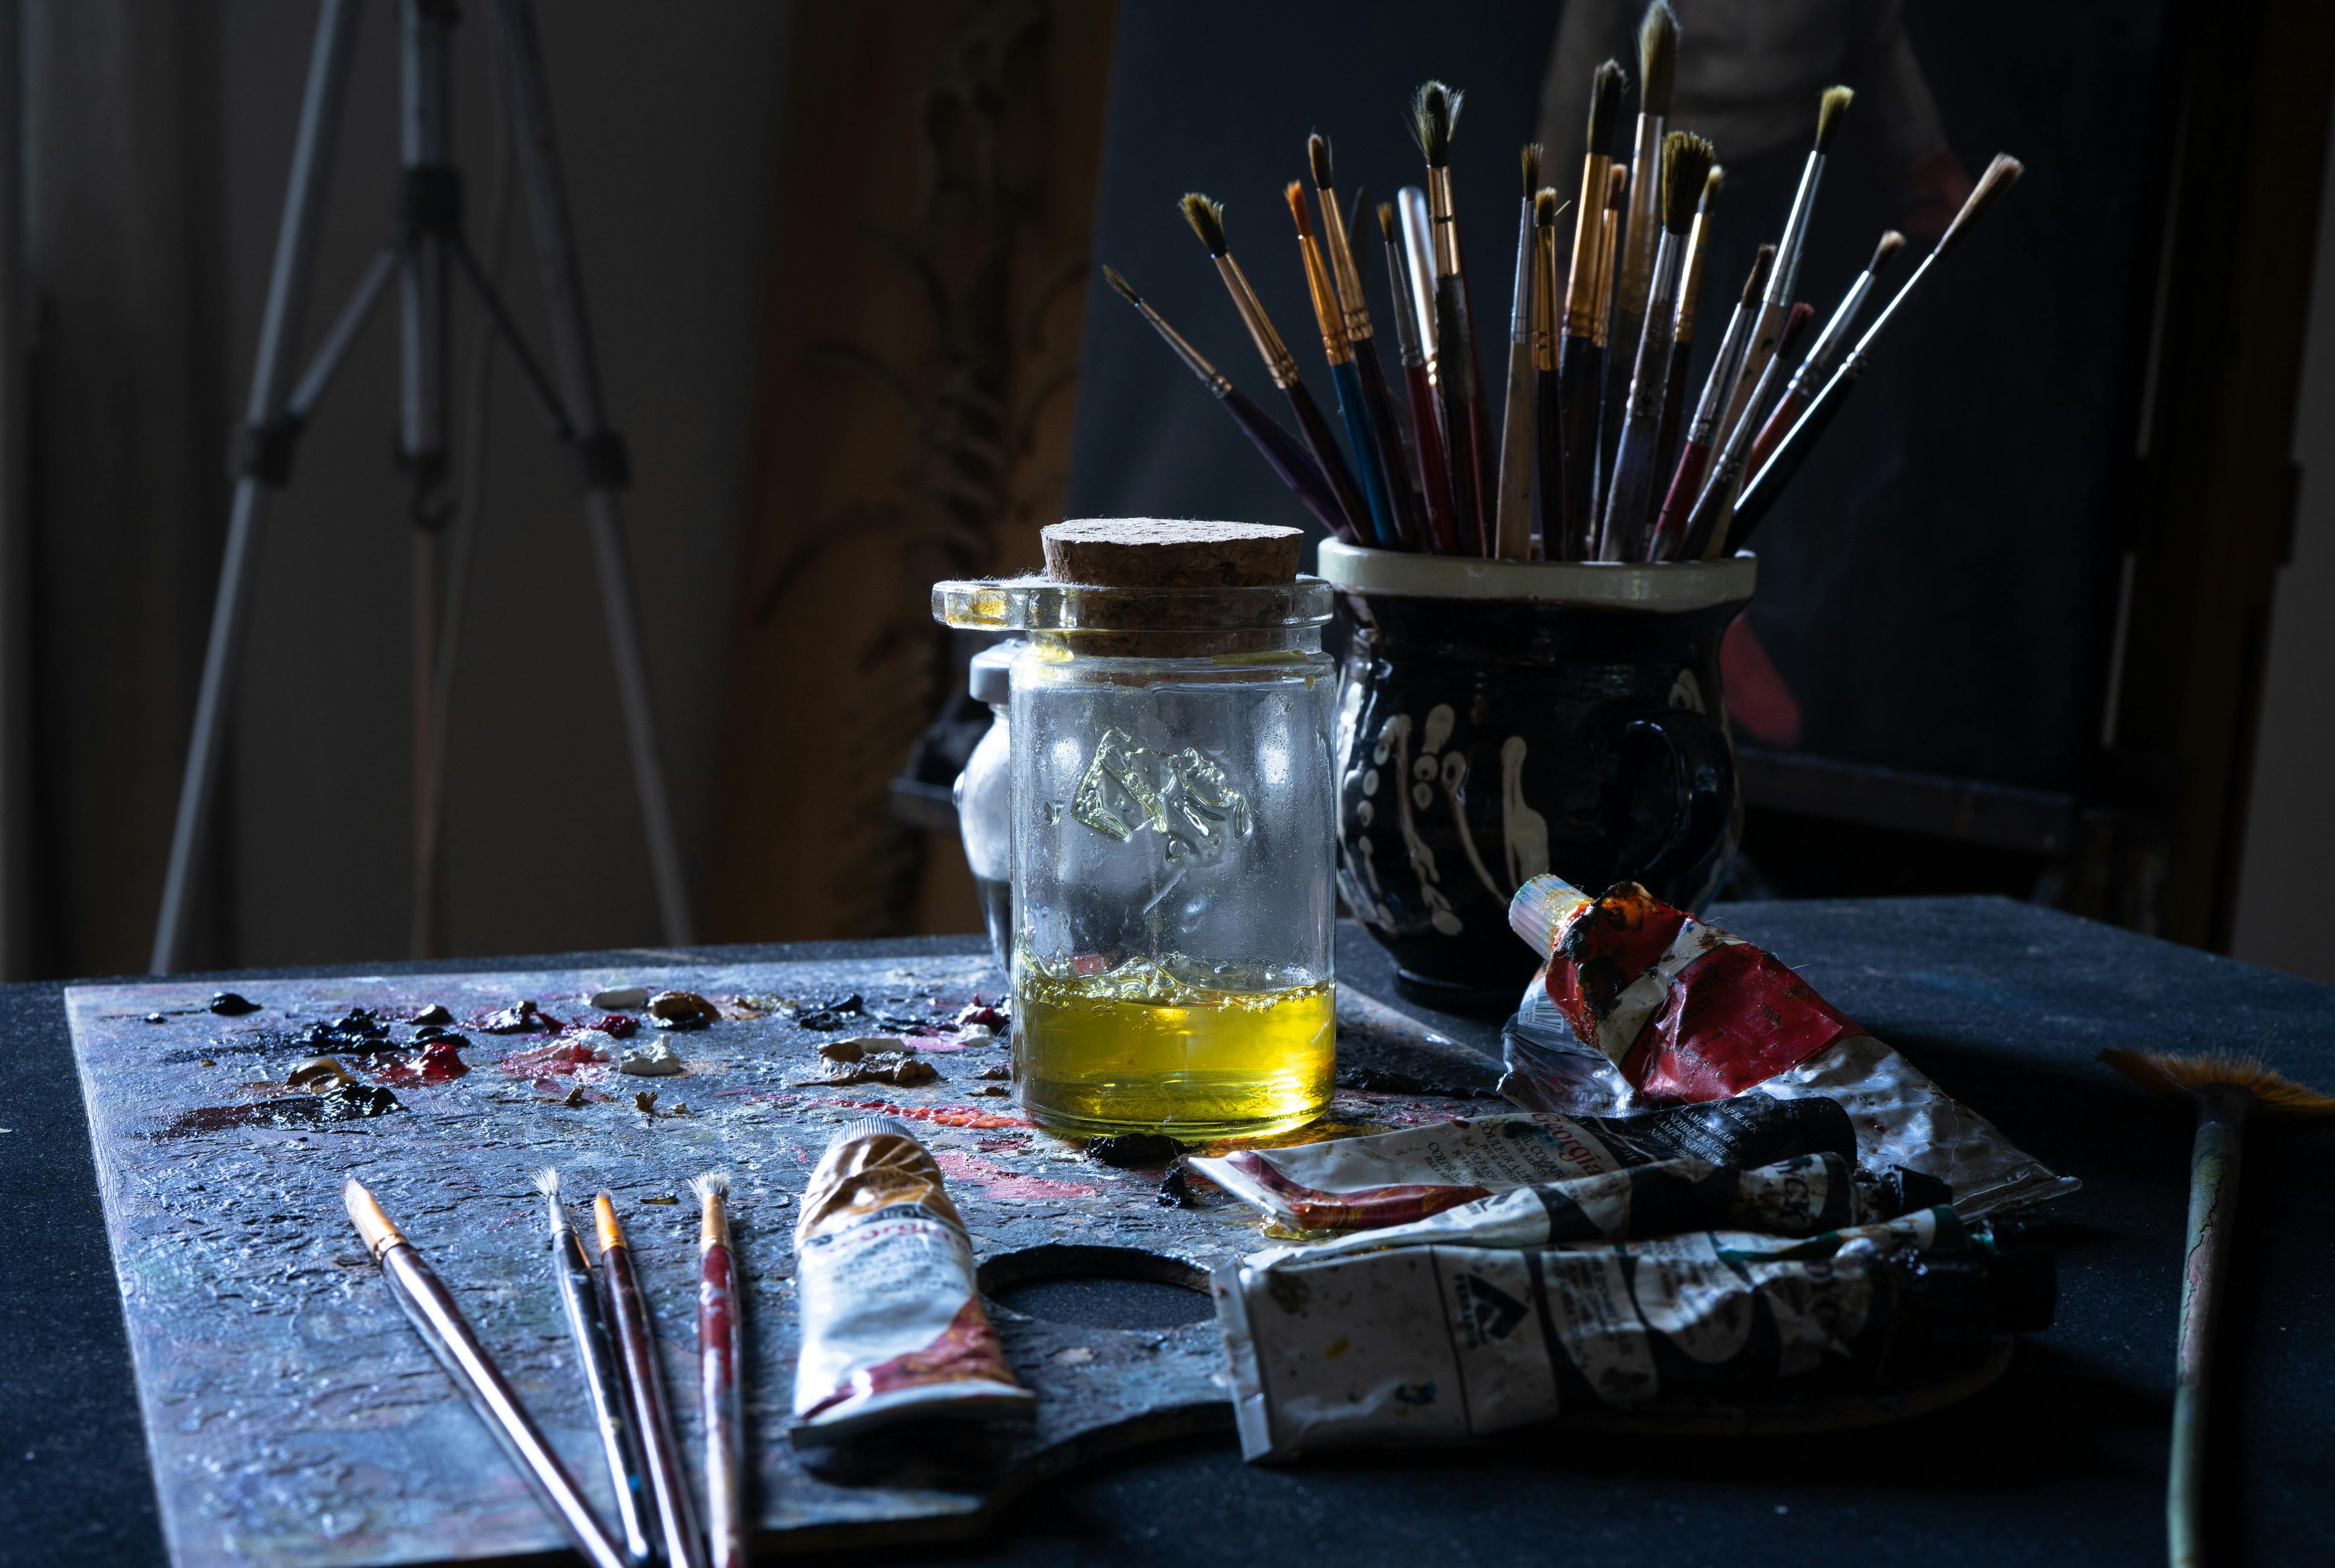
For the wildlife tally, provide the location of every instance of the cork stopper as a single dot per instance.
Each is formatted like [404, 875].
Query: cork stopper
[1154, 553]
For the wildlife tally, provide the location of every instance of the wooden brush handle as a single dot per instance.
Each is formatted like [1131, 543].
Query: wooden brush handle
[2213, 1162]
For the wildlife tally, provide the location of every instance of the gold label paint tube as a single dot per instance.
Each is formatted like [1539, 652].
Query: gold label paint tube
[893, 1328]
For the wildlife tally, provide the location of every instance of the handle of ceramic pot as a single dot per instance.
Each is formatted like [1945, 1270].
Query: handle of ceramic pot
[1697, 749]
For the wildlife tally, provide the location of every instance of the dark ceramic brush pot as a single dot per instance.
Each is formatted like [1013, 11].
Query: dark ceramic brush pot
[1498, 720]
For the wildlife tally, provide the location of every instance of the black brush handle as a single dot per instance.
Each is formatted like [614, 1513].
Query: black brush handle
[1759, 496]
[1392, 463]
[604, 1384]
[1463, 394]
[1548, 450]
[1434, 462]
[1673, 424]
[1287, 458]
[1324, 448]
[1580, 372]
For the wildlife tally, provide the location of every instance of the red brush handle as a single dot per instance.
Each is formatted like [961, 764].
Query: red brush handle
[720, 1354]
[1679, 504]
[1434, 463]
[1780, 425]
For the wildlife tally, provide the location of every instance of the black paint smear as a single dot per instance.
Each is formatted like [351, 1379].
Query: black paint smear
[1382, 1080]
[350, 1102]
[848, 1013]
[227, 1004]
[1134, 1150]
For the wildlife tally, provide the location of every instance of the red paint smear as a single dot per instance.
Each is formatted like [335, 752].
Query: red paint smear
[947, 1115]
[967, 1352]
[1000, 1183]
[1361, 1209]
[438, 1062]
[1735, 1017]
[1604, 947]
[570, 1059]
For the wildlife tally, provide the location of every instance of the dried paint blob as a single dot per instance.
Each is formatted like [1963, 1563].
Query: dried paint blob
[681, 1010]
[650, 1059]
[615, 1025]
[627, 997]
[433, 1013]
[1134, 1150]
[521, 1018]
[227, 1004]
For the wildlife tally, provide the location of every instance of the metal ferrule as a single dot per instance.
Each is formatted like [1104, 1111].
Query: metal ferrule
[1690, 286]
[1325, 302]
[1544, 329]
[1523, 303]
[1447, 228]
[1588, 222]
[1645, 230]
[1833, 337]
[1787, 275]
[1279, 363]
[1601, 315]
[1339, 247]
[1419, 266]
[1217, 382]
[1406, 322]
[1720, 387]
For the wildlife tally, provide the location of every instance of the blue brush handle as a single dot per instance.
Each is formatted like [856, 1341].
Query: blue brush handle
[1290, 460]
[1356, 414]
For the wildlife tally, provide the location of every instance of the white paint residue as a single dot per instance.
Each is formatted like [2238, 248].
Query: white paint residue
[1455, 790]
[1686, 692]
[1523, 830]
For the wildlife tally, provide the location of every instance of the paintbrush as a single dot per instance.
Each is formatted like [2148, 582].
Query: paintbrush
[1609, 416]
[1759, 495]
[2226, 1089]
[595, 1354]
[1467, 425]
[1673, 428]
[1832, 108]
[1419, 261]
[1707, 524]
[1207, 221]
[1343, 376]
[1801, 389]
[1548, 434]
[441, 1323]
[675, 1510]
[1512, 512]
[1289, 459]
[1658, 44]
[1702, 434]
[1580, 362]
[1686, 162]
[1442, 534]
[721, 1372]
[1378, 405]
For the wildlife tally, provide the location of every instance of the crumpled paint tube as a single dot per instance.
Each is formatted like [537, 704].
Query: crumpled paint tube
[1439, 1344]
[1394, 1178]
[893, 1327]
[1639, 1004]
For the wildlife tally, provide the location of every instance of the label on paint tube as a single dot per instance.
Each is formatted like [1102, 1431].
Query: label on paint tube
[893, 1327]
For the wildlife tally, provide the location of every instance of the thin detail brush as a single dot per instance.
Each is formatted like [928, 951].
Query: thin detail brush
[675, 1509]
[1442, 536]
[2226, 1089]
[1686, 160]
[1702, 433]
[1467, 425]
[721, 1372]
[1832, 108]
[434, 1316]
[1673, 426]
[1706, 526]
[1641, 223]
[1288, 458]
[595, 1356]
[1378, 406]
[1580, 360]
[1751, 507]
[1609, 414]
[1419, 266]
[1548, 434]
[1512, 515]
[1351, 410]
[1207, 221]
[1822, 354]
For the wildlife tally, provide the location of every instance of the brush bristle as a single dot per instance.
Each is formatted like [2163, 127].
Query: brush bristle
[1605, 85]
[2179, 1077]
[1207, 221]
[1544, 208]
[1617, 187]
[1890, 243]
[547, 1182]
[1386, 221]
[1529, 157]
[1830, 111]
[1317, 153]
[1120, 285]
[1687, 160]
[1434, 110]
[1711, 185]
[1760, 262]
[1658, 43]
[1796, 326]
[2001, 176]
[1295, 193]
[712, 1184]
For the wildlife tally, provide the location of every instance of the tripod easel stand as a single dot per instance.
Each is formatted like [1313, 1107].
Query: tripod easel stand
[429, 236]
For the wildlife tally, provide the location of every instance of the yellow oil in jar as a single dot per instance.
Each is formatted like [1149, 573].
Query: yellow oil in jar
[1137, 1049]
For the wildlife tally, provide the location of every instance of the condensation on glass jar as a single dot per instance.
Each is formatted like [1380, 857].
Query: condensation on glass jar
[985, 798]
[1174, 831]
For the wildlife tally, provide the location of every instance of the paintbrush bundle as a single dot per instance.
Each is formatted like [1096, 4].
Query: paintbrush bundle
[1592, 454]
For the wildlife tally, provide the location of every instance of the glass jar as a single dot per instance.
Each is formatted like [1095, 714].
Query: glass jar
[985, 799]
[1175, 814]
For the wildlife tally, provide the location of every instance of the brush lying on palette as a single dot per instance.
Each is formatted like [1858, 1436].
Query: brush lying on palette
[1594, 419]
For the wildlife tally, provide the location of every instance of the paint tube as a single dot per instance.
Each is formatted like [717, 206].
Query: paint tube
[893, 1327]
[1638, 1005]
[1443, 1344]
[1397, 1177]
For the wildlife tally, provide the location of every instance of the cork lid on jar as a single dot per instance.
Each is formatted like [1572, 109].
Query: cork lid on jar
[1154, 553]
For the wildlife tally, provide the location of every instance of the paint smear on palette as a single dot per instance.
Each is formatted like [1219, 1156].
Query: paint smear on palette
[569, 1060]
[1000, 1183]
[945, 1114]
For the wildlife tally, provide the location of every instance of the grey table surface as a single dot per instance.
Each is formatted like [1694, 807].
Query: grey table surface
[2062, 1462]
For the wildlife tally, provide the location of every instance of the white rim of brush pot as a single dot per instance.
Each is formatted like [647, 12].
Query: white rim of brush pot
[1671, 585]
